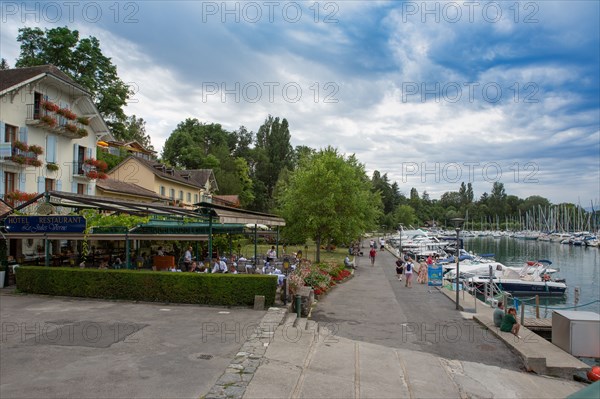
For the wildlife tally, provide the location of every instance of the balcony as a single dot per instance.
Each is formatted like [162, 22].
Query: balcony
[53, 120]
[18, 153]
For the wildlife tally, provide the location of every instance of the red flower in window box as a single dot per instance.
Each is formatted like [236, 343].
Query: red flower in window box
[92, 175]
[67, 113]
[48, 120]
[20, 196]
[50, 106]
[36, 149]
[71, 127]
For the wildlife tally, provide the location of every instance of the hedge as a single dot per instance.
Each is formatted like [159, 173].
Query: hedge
[150, 286]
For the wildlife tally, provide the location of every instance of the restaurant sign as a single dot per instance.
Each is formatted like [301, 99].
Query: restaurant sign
[45, 224]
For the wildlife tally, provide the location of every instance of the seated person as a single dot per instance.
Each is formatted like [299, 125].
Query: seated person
[348, 263]
[499, 314]
[509, 322]
[194, 267]
[103, 265]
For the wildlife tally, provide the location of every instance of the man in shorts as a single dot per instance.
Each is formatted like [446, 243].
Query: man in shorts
[399, 268]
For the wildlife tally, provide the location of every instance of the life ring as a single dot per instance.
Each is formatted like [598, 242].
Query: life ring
[594, 373]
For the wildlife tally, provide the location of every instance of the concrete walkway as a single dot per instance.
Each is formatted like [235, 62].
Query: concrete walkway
[372, 337]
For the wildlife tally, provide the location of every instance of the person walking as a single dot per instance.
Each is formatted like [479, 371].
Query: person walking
[372, 255]
[422, 276]
[408, 273]
[399, 268]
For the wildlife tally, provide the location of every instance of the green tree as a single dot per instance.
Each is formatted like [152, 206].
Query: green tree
[273, 153]
[4, 64]
[405, 215]
[133, 129]
[329, 198]
[82, 60]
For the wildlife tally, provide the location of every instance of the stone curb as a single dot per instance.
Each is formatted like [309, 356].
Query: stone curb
[239, 373]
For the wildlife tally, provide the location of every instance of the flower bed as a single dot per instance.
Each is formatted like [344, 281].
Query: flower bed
[320, 277]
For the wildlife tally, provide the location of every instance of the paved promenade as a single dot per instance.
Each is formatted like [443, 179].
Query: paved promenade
[374, 338]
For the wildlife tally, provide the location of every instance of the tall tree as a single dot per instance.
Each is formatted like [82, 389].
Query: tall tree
[82, 60]
[273, 154]
[196, 145]
[330, 199]
[134, 129]
[4, 64]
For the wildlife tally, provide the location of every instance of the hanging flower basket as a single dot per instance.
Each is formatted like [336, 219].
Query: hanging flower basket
[71, 128]
[82, 132]
[33, 162]
[52, 167]
[92, 175]
[19, 145]
[18, 159]
[48, 120]
[36, 149]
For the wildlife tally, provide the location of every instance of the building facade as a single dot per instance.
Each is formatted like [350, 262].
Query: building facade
[49, 128]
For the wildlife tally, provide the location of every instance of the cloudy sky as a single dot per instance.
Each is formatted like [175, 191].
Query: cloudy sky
[431, 93]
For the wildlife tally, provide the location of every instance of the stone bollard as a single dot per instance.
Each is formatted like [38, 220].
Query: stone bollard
[259, 302]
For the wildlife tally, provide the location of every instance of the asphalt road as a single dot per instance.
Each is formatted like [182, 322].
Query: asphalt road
[375, 307]
[76, 348]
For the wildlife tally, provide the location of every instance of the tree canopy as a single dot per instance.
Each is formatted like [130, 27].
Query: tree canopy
[83, 61]
[328, 198]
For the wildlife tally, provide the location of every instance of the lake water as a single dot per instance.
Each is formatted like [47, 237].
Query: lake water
[580, 266]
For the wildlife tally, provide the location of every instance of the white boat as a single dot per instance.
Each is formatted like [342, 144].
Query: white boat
[530, 280]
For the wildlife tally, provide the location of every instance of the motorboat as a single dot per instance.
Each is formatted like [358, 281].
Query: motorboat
[533, 279]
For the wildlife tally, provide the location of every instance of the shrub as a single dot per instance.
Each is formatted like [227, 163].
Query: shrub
[195, 288]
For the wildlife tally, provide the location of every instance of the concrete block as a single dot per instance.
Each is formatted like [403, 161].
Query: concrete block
[259, 302]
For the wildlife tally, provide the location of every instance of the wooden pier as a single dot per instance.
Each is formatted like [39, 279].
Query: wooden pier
[538, 324]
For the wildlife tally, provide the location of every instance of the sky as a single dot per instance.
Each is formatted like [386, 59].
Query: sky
[432, 93]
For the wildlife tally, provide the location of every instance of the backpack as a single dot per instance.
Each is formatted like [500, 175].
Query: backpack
[408, 267]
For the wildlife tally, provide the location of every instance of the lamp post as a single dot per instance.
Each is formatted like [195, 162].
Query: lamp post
[457, 222]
